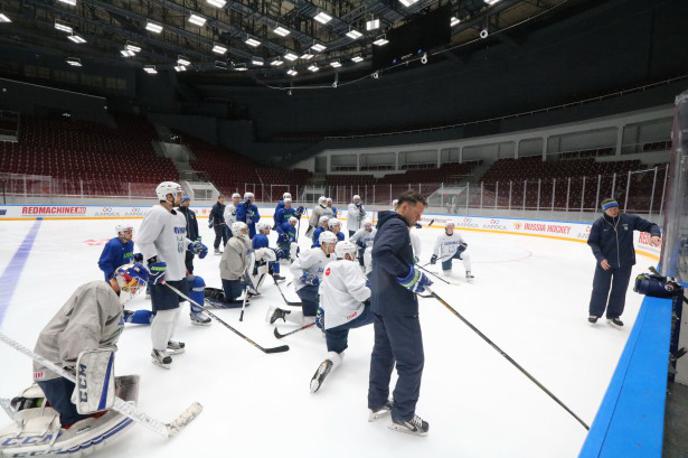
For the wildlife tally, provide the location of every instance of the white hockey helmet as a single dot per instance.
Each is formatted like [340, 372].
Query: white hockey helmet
[332, 222]
[287, 200]
[293, 220]
[249, 196]
[239, 227]
[449, 223]
[345, 247]
[168, 187]
[236, 195]
[367, 224]
[356, 198]
[322, 200]
[394, 203]
[286, 195]
[327, 237]
[263, 225]
[329, 200]
[323, 219]
[123, 227]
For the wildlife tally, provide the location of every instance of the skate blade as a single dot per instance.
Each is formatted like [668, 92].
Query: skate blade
[163, 365]
[374, 416]
[319, 376]
[403, 429]
[172, 352]
[198, 323]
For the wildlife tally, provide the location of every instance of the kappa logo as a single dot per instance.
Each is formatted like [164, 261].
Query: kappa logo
[106, 210]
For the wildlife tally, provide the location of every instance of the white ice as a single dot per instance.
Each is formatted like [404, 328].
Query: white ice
[530, 296]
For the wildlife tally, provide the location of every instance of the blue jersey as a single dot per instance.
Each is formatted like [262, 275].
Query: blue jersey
[248, 213]
[115, 253]
[260, 241]
[283, 214]
[287, 234]
[320, 230]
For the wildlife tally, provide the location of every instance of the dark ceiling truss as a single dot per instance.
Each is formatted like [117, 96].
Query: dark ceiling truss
[108, 24]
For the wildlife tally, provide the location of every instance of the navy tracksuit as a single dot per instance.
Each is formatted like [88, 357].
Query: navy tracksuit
[398, 337]
[191, 233]
[217, 222]
[612, 239]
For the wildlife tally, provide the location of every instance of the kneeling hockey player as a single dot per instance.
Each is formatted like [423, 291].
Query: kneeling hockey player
[344, 305]
[286, 240]
[308, 271]
[90, 320]
[236, 262]
[449, 246]
[265, 256]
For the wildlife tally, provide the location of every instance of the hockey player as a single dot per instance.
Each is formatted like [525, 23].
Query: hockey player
[286, 240]
[363, 238]
[308, 271]
[356, 214]
[343, 292]
[231, 211]
[335, 227]
[216, 221]
[318, 211]
[265, 256]
[118, 251]
[247, 213]
[280, 204]
[163, 242]
[449, 246]
[323, 226]
[191, 231]
[398, 341]
[283, 214]
[235, 263]
[90, 319]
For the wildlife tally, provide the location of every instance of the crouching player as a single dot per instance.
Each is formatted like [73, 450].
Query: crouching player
[450, 246]
[308, 271]
[91, 319]
[344, 305]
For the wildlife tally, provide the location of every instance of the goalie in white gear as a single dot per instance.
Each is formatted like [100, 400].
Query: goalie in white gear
[237, 260]
[90, 319]
[308, 271]
[163, 242]
[363, 238]
[449, 246]
[344, 305]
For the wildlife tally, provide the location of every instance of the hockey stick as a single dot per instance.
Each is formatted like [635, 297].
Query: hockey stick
[288, 302]
[294, 331]
[434, 275]
[507, 357]
[280, 349]
[121, 406]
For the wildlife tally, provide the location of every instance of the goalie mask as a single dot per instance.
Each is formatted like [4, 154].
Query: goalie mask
[132, 278]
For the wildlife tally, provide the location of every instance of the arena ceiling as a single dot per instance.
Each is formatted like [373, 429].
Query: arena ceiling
[214, 37]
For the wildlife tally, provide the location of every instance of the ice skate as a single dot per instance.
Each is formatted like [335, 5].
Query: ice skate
[375, 414]
[175, 348]
[161, 358]
[415, 425]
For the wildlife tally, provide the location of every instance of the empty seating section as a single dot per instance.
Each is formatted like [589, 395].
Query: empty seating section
[231, 172]
[88, 158]
[568, 184]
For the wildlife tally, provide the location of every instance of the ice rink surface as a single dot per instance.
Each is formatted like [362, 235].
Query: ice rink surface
[530, 296]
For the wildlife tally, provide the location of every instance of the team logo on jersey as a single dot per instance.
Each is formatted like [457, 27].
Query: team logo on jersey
[327, 272]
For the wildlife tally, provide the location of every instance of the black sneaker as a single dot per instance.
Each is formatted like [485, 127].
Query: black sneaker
[592, 319]
[415, 425]
[615, 321]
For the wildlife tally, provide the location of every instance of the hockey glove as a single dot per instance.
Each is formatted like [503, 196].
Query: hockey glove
[138, 257]
[310, 279]
[433, 259]
[462, 247]
[157, 270]
[415, 281]
[210, 224]
[299, 212]
[418, 226]
[198, 248]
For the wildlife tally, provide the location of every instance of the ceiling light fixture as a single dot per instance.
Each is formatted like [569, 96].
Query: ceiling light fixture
[76, 39]
[150, 69]
[181, 60]
[219, 49]
[290, 56]
[73, 61]
[357, 59]
[322, 17]
[195, 19]
[68, 2]
[381, 41]
[354, 34]
[306, 56]
[281, 31]
[318, 47]
[252, 42]
[61, 26]
[454, 21]
[335, 64]
[314, 68]
[373, 24]
[216, 3]
[292, 72]
[277, 62]
[153, 27]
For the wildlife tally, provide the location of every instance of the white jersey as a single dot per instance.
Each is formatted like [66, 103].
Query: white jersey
[163, 234]
[364, 237]
[342, 292]
[355, 216]
[446, 245]
[230, 215]
[312, 261]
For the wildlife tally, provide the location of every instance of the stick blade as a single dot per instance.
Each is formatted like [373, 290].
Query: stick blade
[280, 349]
[277, 334]
[184, 418]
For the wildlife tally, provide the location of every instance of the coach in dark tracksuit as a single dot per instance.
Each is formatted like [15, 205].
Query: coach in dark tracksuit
[216, 220]
[394, 282]
[191, 230]
[611, 240]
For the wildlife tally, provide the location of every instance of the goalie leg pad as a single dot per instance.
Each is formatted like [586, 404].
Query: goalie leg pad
[95, 374]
